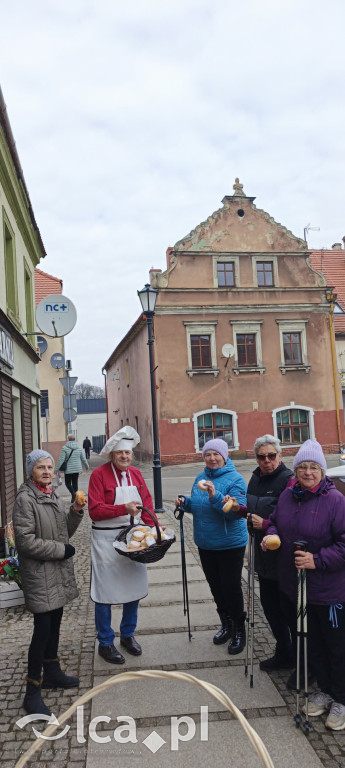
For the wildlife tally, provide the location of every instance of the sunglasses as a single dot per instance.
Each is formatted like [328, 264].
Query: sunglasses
[263, 456]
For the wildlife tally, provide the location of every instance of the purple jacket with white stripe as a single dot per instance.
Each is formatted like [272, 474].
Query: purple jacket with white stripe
[319, 519]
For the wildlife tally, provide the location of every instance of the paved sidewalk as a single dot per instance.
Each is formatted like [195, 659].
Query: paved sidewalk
[162, 631]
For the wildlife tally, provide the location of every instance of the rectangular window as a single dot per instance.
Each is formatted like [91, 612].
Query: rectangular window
[29, 304]
[292, 348]
[10, 272]
[201, 351]
[225, 273]
[246, 349]
[215, 425]
[293, 426]
[264, 273]
[44, 402]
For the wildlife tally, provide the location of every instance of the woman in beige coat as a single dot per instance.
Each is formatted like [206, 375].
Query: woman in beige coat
[42, 530]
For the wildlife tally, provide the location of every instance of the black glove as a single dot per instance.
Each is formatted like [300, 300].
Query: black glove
[69, 551]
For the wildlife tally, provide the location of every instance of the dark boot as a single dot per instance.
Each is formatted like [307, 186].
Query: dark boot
[224, 633]
[54, 677]
[238, 639]
[33, 703]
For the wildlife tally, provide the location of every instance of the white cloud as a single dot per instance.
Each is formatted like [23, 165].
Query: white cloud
[132, 120]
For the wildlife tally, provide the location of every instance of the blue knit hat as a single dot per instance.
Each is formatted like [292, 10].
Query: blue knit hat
[34, 456]
[217, 445]
[310, 451]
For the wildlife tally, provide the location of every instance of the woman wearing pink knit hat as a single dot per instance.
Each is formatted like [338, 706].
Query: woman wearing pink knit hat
[312, 510]
[221, 537]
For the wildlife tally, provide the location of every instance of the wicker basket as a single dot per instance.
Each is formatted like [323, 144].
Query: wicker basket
[151, 554]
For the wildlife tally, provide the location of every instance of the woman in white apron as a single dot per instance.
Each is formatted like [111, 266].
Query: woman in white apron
[115, 490]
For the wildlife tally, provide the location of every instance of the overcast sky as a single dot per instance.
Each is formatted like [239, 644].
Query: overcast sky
[132, 120]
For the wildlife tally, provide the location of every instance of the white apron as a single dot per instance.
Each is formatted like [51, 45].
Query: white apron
[116, 578]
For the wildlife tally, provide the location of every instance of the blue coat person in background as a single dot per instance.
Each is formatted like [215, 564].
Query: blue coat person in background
[221, 538]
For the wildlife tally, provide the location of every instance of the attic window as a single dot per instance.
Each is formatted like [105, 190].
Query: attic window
[240, 212]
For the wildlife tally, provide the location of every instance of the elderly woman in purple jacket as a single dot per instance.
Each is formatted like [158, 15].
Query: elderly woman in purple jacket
[313, 510]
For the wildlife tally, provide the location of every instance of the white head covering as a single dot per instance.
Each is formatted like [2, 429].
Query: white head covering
[124, 440]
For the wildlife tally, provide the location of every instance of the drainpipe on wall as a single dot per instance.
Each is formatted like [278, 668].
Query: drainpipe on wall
[331, 297]
[106, 402]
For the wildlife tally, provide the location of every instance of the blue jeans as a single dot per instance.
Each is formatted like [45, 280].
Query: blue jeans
[105, 633]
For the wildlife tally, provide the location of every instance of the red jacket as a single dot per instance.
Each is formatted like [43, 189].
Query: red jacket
[101, 494]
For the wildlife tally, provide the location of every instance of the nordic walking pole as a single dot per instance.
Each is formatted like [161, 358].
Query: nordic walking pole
[180, 510]
[250, 602]
[302, 633]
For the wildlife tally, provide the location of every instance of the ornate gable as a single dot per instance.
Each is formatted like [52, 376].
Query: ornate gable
[240, 226]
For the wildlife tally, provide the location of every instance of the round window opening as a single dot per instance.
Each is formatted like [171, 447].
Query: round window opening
[240, 212]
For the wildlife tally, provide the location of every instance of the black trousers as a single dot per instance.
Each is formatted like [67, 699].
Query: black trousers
[272, 603]
[326, 648]
[71, 483]
[223, 571]
[45, 641]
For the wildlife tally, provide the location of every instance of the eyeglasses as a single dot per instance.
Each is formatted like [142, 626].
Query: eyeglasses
[311, 467]
[263, 456]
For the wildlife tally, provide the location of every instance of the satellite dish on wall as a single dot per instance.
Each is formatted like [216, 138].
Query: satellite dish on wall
[57, 361]
[228, 350]
[42, 344]
[56, 315]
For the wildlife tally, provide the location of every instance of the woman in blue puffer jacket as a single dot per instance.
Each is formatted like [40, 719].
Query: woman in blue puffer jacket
[221, 538]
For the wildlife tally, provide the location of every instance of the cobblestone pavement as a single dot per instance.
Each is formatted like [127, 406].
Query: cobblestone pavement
[77, 652]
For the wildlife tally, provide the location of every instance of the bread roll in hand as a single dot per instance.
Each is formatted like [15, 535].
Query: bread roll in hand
[273, 542]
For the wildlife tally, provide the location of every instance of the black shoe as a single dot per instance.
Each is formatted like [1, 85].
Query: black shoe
[131, 645]
[54, 677]
[292, 681]
[276, 662]
[238, 639]
[33, 703]
[223, 635]
[111, 654]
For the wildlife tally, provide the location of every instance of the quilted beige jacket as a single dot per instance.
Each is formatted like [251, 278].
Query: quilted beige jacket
[41, 529]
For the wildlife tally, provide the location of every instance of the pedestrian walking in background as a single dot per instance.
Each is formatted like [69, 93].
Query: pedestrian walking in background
[313, 511]
[221, 538]
[115, 491]
[71, 461]
[42, 530]
[268, 481]
[87, 446]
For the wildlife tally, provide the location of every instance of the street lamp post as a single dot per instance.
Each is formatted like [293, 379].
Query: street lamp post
[148, 297]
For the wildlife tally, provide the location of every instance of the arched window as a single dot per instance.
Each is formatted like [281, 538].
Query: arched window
[214, 423]
[293, 424]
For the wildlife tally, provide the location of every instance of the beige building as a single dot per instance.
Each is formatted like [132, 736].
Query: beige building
[21, 249]
[53, 428]
[242, 342]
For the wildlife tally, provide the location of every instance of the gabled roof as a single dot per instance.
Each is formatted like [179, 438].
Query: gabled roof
[45, 284]
[332, 264]
[226, 229]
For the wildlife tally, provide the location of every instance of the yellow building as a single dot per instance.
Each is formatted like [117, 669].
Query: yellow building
[21, 249]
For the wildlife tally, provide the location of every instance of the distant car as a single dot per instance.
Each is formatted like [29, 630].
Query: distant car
[338, 474]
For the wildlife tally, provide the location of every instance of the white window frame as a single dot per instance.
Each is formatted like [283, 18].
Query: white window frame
[298, 408]
[294, 326]
[215, 409]
[245, 326]
[197, 328]
[274, 260]
[236, 262]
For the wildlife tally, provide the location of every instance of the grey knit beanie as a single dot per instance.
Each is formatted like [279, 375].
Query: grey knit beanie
[310, 451]
[35, 456]
[218, 445]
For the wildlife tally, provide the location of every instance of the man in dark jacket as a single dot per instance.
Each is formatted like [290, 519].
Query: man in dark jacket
[87, 446]
[265, 486]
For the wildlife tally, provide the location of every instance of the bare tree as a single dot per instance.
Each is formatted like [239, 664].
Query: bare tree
[88, 391]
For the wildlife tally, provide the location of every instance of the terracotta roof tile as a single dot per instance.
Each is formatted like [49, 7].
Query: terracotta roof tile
[45, 284]
[332, 265]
